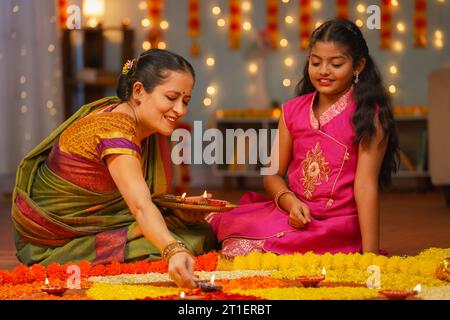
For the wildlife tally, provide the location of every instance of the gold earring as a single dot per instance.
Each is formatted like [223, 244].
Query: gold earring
[357, 78]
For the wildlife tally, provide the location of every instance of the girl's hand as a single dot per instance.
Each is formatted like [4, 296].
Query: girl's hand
[181, 270]
[299, 213]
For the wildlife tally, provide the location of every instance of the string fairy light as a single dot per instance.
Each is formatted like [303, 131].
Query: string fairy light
[210, 61]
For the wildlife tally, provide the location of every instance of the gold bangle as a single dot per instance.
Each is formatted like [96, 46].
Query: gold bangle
[278, 196]
[170, 246]
[175, 251]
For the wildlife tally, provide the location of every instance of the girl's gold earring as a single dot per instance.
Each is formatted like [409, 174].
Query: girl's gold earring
[357, 78]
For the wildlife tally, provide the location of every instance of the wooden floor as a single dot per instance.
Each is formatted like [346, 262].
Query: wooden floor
[410, 222]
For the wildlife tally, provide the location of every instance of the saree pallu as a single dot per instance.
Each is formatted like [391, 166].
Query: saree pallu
[58, 221]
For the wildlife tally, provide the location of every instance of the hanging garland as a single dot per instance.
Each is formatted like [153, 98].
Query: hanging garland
[235, 23]
[342, 9]
[194, 26]
[305, 23]
[155, 8]
[386, 25]
[62, 9]
[420, 23]
[272, 22]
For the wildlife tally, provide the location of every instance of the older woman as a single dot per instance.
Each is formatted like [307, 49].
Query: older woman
[85, 193]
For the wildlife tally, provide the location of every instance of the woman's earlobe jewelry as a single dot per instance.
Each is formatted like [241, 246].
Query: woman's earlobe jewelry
[357, 78]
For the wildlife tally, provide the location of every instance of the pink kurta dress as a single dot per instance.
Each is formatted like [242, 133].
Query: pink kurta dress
[321, 174]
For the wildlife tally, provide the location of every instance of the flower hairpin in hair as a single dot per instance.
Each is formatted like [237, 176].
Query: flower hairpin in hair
[127, 67]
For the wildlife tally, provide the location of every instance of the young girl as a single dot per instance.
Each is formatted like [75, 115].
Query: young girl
[337, 143]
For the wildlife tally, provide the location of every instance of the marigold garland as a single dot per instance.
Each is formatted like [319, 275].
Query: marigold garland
[55, 271]
[257, 275]
[338, 293]
[105, 291]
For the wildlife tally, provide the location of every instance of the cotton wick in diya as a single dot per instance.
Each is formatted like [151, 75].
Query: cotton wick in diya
[204, 198]
[312, 281]
[401, 294]
[52, 289]
[182, 198]
[213, 202]
[209, 286]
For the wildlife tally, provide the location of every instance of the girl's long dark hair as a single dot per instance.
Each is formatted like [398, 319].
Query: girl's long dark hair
[368, 93]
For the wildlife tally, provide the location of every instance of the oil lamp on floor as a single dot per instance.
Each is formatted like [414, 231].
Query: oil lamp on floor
[312, 281]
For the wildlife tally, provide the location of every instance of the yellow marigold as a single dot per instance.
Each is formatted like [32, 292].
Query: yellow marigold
[380, 261]
[102, 291]
[399, 281]
[404, 266]
[435, 253]
[310, 259]
[366, 260]
[298, 262]
[393, 264]
[427, 268]
[337, 293]
[240, 263]
[254, 260]
[285, 261]
[269, 261]
[327, 260]
[352, 260]
[339, 261]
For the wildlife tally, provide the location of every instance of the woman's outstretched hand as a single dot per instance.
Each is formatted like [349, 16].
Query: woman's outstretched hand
[181, 270]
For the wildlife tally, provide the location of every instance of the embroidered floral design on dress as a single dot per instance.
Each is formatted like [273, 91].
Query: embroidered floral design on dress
[315, 171]
[234, 247]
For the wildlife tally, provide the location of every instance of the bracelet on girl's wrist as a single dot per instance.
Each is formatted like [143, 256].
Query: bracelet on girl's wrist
[279, 195]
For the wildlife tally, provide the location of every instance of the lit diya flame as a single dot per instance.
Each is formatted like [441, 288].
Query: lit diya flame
[205, 195]
[324, 271]
[182, 295]
[417, 288]
[54, 290]
[183, 196]
[213, 277]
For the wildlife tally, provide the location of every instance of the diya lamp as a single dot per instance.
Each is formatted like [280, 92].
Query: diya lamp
[203, 200]
[217, 203]
[207, 287]
[52, 289]
[401, 294]
[312, 281]
[213, 202]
